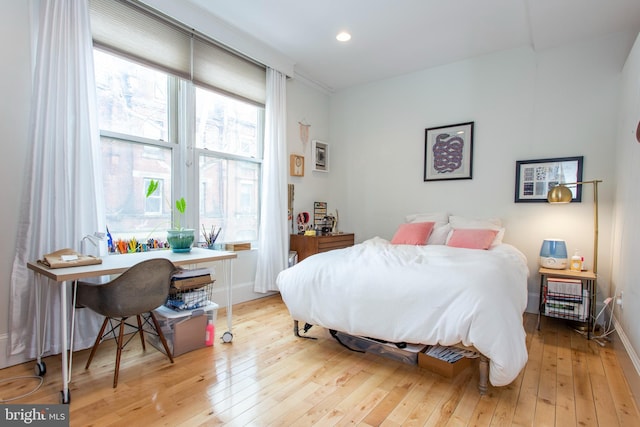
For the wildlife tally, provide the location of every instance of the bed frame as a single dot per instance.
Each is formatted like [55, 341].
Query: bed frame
[483, 366]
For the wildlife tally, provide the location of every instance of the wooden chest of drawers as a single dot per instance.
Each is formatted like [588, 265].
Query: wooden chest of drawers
[306, 246]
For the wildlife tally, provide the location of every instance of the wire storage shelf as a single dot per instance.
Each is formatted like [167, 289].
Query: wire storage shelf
[190, 289]
[566, 299]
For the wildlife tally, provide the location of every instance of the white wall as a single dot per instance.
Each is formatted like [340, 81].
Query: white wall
[525, 105]
[311, 106]
[626, 240]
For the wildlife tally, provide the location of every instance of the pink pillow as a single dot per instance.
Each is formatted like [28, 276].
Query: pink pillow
[413, 233]
[471, 238]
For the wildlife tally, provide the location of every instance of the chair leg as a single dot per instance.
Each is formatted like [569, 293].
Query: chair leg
[98, 340]
[118, 353]
[161, 335]
[141, 332]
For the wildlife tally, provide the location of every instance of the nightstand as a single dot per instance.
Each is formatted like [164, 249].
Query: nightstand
[567, 294]
[306, 246]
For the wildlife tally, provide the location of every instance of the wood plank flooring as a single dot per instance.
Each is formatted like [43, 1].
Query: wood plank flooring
[268, 377]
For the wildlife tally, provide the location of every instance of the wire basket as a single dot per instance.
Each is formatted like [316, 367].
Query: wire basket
[191, 297]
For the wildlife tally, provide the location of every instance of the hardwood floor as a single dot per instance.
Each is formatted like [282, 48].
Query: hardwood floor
[267, 376]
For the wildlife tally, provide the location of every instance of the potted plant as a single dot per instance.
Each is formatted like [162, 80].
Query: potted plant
[180, 239]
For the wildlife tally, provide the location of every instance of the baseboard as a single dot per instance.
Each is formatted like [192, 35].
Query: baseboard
[633, 356]
[5, 358]
[241, 292]
[533, 302]
[629, 360]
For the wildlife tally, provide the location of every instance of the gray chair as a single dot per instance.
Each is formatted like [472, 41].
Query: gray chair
[136, 292]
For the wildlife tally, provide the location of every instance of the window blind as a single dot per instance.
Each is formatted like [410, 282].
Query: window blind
[133, 30]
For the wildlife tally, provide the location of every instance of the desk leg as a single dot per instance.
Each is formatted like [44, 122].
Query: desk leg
[64, 397]
[227, 337]
[40, 368]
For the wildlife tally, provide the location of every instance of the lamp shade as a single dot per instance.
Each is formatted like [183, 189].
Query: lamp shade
[553, 254]
[559, 194]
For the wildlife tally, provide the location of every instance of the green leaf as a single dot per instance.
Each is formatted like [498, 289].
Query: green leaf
[153, 186]
[181, 205]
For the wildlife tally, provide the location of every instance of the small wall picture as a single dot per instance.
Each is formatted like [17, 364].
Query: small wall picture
[296, 165]
[320, 151]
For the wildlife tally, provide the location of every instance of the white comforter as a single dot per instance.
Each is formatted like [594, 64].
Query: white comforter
[418, 294]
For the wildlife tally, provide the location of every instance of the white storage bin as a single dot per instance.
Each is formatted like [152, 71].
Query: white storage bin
[184, 330]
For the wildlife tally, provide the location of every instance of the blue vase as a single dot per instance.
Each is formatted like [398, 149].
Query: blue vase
[553, 254]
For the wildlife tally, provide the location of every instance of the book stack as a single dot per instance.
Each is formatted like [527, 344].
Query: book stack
[566, 298]
[186, 279]
[190, 289]
[448, 354]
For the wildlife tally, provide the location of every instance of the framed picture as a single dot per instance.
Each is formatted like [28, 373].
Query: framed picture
[448, 152]
[296, 165]
[534, 178]
[320, 152]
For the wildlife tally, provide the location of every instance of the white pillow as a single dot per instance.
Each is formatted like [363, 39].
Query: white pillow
[436, 217]
[441, 227]
[478, 223]
[439, 234]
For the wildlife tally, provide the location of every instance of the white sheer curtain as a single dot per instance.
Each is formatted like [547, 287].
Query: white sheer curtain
[62, 199]
[273, 239]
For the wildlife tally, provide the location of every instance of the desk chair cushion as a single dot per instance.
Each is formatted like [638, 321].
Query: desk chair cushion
[140, 289]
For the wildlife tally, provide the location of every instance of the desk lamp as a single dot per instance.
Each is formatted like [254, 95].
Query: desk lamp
[562, 194]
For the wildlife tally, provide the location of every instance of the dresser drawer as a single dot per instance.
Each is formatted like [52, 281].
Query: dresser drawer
[306, 246]
[339, 241]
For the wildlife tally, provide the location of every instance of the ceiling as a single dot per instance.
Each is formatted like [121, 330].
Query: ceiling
[394, 37]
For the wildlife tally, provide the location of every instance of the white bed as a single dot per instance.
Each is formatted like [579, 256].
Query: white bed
[421, 294]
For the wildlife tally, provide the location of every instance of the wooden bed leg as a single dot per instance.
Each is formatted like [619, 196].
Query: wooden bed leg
[296, 331]
[484, 375]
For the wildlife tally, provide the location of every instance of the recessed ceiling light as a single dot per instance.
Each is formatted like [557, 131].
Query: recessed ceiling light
[343, 36]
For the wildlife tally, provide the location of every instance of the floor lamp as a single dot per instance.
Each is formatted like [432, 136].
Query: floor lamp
[562, 194]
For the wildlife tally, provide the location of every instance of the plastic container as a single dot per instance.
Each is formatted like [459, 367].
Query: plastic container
[209, 334]
[576, 262]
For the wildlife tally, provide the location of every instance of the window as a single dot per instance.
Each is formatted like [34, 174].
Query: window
[133, 105]
[228, 143]
[135, 118]
[178, 108]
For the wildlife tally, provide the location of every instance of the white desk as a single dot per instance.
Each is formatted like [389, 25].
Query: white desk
[112, 264]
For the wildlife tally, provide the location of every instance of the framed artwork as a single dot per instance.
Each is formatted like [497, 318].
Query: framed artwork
[448, 152]
[534, 178]
[320, 152]
[296, 165]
